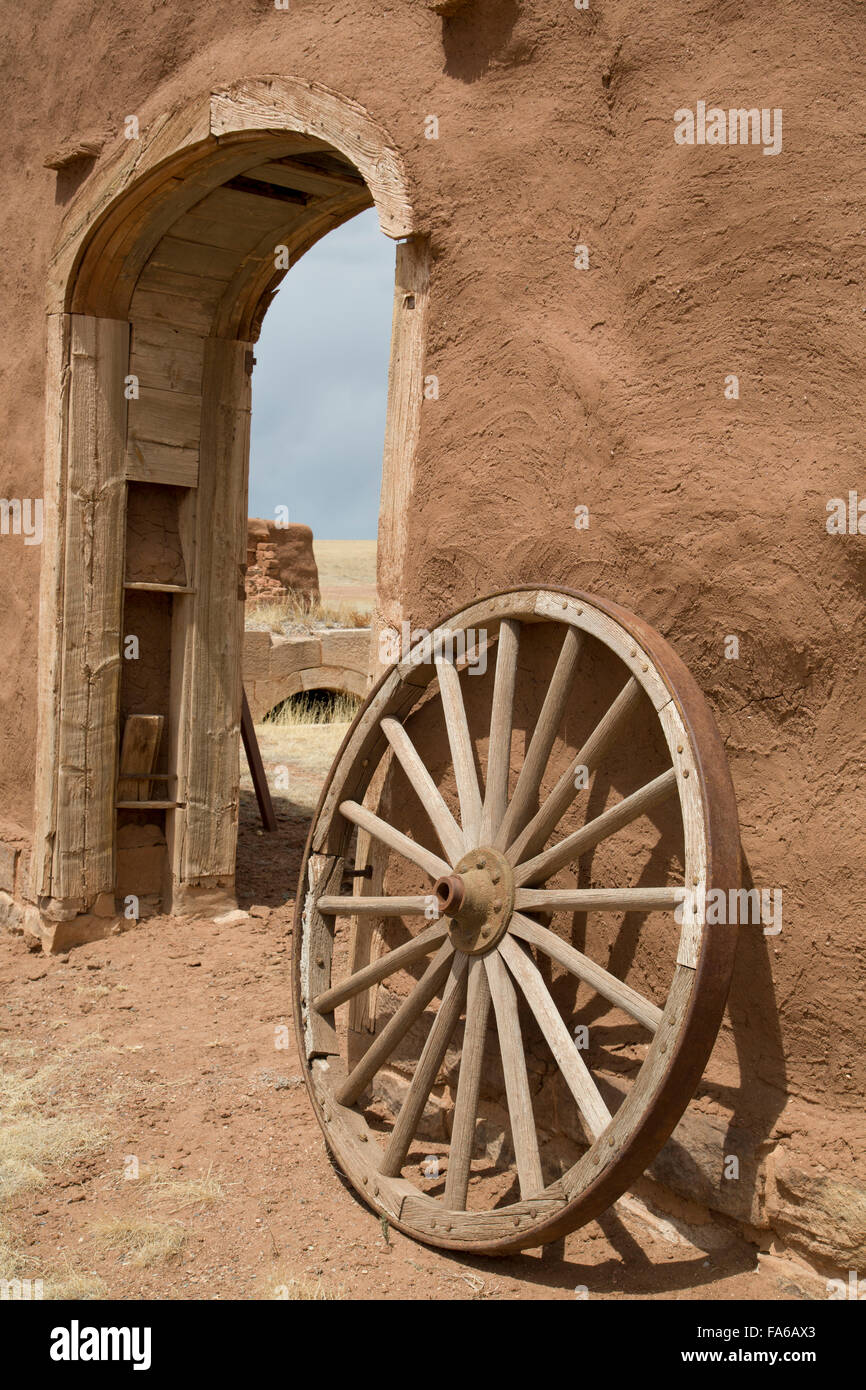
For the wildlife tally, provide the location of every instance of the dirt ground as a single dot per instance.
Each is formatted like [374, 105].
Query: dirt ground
[158, 1141]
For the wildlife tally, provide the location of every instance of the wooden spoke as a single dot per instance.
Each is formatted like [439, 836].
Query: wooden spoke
[597, 899]
[395, 839]
[535, 834]
[462, 755]
[449, 832]
[387, 964]
[396, 1028]
[542, 739]
[517, 1090]
[347, 906]
[601, 980]
[574, 1070]
[589, 835]
[468, 1086]
[429, 1063]
[499, 743]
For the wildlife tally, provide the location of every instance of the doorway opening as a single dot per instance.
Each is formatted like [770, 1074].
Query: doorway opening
[159, 291]
[319, 392]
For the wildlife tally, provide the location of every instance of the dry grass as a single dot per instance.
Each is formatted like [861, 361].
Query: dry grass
[139, 1240]
[305, 751]
[11, 1259]
[200, 1192]
[79, 1284]
[303, 712]
[295, 613]
[300, 1290]
[298, 746]
[40, 1121]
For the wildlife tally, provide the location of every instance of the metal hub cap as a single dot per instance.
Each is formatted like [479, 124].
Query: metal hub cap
[478, 899]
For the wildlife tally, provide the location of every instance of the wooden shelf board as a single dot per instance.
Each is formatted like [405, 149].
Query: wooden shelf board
[148, 805]
[147, 587]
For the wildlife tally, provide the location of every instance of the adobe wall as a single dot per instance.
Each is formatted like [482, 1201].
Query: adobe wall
[561, 387]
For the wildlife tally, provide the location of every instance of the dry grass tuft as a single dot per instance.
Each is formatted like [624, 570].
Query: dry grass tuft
[11, 1259]
[296, 613]
[30, 1135]
[70, 1283]
[300, 1290]
[140, 1241]
[302, 712]
[204, 1191]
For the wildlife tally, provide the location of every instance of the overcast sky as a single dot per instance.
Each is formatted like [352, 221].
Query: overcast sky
[319, 385]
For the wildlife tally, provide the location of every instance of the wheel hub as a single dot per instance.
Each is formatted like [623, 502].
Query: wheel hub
[478, 900]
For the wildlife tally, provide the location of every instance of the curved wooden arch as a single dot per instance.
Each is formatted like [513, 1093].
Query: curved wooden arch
[119, 216]
[162, 271]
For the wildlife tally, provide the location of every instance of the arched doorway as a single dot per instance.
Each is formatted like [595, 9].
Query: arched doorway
[159, 287]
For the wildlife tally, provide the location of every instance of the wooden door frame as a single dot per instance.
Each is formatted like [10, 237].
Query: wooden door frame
[106, 238]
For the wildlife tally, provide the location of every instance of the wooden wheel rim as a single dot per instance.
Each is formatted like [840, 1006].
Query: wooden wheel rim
[695, 1002]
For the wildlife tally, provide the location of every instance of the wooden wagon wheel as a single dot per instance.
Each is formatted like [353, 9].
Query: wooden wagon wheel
[487, 957]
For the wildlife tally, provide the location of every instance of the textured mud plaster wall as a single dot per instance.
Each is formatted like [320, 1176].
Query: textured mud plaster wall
[561, 387]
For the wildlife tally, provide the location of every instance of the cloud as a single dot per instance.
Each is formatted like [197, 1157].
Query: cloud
[320, 384]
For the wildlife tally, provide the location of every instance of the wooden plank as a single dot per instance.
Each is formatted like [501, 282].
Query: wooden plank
[165, 417]
[468, 1087]
[257, 767]
[180, 707]
[146, 462]
[499, 742]
[192, 258]
[402, 421]
[142, 735]
[195, 284]
[186, 311]
[51, 598]
[210, 732]
[204, 227]
[92, 609]
[462, 750]
[148, 805]
[246, 210]
[517, 1090]
[166, 357]
[290, 173]
[144, 586]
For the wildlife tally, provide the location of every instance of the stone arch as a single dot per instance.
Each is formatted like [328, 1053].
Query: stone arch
[164, 267]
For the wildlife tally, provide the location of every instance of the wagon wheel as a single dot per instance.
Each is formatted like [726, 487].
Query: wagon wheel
[487, 958]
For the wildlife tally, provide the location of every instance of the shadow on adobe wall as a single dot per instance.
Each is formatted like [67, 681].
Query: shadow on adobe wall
[476, 35]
